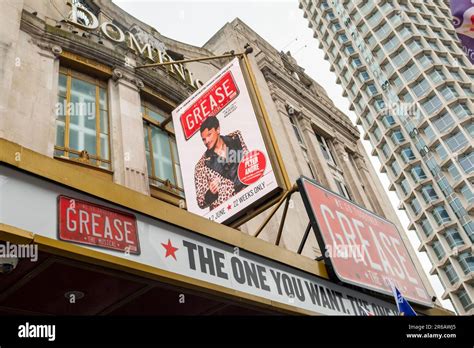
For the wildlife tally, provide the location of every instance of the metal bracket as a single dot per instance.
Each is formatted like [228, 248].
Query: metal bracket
[305, 238]
[286, 197]
[248, 50]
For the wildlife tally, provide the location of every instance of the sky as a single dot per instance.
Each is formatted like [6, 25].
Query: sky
[281, 23]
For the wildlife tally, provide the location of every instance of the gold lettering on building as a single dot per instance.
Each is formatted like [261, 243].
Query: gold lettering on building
[84, 19]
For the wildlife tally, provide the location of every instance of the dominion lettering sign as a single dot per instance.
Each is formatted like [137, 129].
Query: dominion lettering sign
[137, 40]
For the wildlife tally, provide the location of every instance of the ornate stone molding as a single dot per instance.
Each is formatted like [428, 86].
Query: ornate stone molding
[117, 75]
[139, 83]
[274, 96]
[127, 78]
[57, 50]
[47, 48]
[360, 161]
[339, 146]
[305, 122]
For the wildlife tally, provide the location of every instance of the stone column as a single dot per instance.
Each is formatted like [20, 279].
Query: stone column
[10, 17]
[289, 147]
[351, 178]
[28, 94]
[320, 164]
[308, 136]
[127, 139]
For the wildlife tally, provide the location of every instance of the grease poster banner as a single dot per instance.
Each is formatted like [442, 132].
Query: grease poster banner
[224, 162]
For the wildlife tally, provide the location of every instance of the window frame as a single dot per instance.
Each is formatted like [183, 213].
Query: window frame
[438, 250]
[343, 190]
[429, 193]
[426, 227]
[464, 160]
[456, 141]
[406, 157]
[465, 260]
[325, 149]
[440, 220]
[453, 241]
[465, 304]
[148, 123]
[82, 158]
[451, 274]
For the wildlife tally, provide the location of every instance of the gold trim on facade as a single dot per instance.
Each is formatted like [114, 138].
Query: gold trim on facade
[15, 235]
[73, 60]
[82, 156]
[166, 195]
[158, 99]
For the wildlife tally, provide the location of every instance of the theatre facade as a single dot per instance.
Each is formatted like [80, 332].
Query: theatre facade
[90, 175]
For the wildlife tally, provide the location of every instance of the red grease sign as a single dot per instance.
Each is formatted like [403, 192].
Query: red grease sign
[222, 92]
[362, 248]
[87, 223]
[252, 167]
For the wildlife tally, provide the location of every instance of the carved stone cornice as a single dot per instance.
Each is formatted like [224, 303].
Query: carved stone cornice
[360, 161]
[57, 50]
[139, 83]
[119, 76]
[46, 37]
[48, 49]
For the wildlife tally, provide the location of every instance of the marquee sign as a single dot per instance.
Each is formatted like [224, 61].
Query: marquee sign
[362, 248]
[179, 251]
[92, 224]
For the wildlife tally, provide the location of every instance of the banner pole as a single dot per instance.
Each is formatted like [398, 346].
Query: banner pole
[200, 59]
[305, 237]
